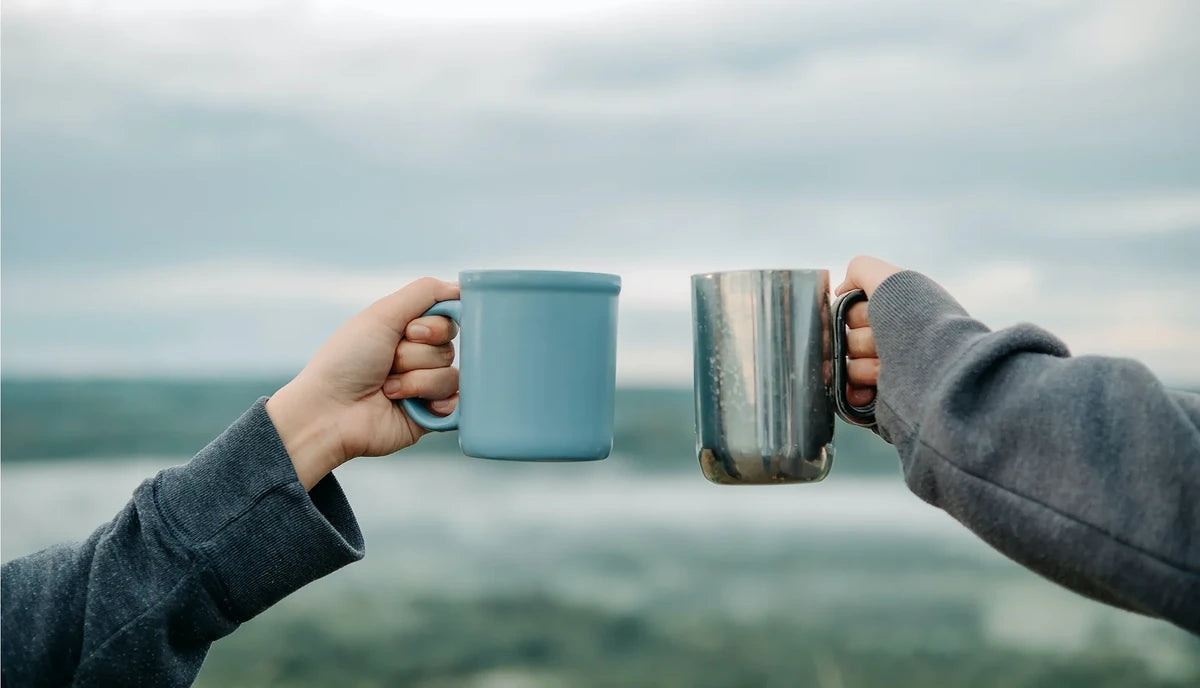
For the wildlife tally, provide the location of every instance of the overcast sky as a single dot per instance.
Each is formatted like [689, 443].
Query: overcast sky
[200, 188]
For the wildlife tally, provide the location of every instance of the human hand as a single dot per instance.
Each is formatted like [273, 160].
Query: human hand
[866, 273]
[343, 403]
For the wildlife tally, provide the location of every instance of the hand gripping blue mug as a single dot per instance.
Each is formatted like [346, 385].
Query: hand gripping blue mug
[537, 365]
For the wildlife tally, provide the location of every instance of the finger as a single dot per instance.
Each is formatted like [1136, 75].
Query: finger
[860, 396]
[401, 307]
[863, 372]
[860, 343]
[415, 356]
[867, 273]
[431, 329]
[851, 280]
[444, 406]
[438, 383]
[856, 316]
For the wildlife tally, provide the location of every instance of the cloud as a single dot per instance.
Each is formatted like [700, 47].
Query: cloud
[223, 318]
[234, 159]
[855, 82]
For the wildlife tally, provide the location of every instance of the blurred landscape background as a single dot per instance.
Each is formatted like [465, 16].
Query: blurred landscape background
[195, 194]
[629, 571]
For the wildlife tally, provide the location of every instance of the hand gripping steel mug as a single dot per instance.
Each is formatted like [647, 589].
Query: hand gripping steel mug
[770, 373]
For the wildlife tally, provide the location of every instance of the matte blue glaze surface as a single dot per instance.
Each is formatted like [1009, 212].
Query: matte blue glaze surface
[537, 353]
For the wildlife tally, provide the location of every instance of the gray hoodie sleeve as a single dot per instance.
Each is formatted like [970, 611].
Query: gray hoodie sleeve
[200, 549]
[1084, 469]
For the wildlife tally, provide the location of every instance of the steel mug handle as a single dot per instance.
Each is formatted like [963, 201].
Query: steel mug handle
[862, 416]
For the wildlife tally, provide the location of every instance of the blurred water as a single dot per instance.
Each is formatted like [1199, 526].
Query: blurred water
[668, 547]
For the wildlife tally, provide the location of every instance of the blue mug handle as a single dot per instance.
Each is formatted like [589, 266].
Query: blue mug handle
[415, 408]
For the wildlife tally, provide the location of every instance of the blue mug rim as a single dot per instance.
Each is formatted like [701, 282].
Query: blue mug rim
[540, 279]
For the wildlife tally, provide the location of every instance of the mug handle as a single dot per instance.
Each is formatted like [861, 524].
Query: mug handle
[415, 408]
[862, 416]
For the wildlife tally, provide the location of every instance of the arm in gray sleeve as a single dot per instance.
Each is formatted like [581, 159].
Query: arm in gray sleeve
[200, 549]
[1084, 469]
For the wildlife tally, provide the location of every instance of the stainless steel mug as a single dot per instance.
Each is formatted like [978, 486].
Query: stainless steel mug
[770, 373]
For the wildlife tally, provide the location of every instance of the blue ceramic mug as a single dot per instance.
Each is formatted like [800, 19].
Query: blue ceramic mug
[537, 365]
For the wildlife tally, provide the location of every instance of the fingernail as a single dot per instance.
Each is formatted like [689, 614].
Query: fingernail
[442, 405]
[418, 332]
[391, 387]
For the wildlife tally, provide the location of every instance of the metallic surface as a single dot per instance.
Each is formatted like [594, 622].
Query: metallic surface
[764, 380]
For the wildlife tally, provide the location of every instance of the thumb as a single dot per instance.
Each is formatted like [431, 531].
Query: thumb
[402, 306]
[866, 273]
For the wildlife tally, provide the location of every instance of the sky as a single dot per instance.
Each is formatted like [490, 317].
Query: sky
[208, 188]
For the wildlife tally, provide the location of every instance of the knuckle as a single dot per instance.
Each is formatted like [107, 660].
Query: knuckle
[426, 284]
[864, 370]
[405, 387]
[448, 381]
[437, 382]
[440, 325]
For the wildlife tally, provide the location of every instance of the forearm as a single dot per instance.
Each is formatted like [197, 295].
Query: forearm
[200, 549]
[1084, 469]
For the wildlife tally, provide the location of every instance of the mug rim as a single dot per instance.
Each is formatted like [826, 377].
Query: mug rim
[541, 279]
[758, 271]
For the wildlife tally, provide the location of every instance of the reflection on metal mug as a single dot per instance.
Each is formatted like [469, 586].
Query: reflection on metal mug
[770, 372]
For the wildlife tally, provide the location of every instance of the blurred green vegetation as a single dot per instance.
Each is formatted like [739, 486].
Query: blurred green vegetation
[534, 640]
[638, 604]
[50, 418]
[47, 419]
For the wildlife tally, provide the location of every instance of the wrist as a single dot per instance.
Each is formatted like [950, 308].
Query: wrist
[309, 435]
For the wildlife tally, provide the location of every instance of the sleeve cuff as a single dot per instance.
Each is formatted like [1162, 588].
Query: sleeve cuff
[239, 505]
[920, 331]
[907, 302]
